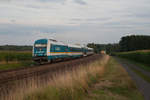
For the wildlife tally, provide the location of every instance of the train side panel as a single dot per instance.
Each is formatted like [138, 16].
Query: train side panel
[58, 51]
[90, 51]
[75, 51]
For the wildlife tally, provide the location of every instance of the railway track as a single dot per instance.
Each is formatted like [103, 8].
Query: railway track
[6, 77]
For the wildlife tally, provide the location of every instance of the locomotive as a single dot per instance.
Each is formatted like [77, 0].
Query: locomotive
[48, 50]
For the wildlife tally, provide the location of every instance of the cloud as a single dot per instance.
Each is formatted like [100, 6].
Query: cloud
[13, 21]
[83, 33]
[76, 19]
[56, 1]
[91, 19]
[5, 0]
[33, 0]
[100, 21]
[81, 2]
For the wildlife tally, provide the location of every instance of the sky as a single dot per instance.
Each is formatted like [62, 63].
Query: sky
[72, 21]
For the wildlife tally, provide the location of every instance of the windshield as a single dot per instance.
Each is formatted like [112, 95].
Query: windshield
[40, 49]
[40, 45]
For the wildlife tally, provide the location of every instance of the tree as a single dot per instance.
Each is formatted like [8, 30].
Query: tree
[134, 42]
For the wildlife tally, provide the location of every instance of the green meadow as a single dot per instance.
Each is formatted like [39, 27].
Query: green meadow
[15, 59]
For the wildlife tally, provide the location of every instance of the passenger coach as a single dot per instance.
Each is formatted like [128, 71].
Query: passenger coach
[48, 50]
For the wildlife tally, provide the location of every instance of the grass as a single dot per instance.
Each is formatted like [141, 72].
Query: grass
[114, 85]
[140, 58]
[14, 65]
[67, 85]
[145, 77]
[8, 56]
[138, 72]
[15, 59]
[103, 79]
[71, 85]
[141, 65]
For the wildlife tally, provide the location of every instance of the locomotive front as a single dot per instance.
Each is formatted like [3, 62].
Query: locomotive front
[40, 50]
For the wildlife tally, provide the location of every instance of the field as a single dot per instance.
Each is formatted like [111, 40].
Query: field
[103, 79]
[139, 57]
[14, 59]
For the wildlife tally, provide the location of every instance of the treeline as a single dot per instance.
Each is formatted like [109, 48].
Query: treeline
[127, 43]
[15, 48]
[134, 42]
[106, 47]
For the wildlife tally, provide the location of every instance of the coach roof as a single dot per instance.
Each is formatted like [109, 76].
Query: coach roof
[52, 41]
[74, 46]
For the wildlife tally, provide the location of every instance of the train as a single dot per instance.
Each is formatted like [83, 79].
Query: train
[49, 50]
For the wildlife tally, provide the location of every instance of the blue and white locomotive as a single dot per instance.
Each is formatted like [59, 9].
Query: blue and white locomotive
[48, 50]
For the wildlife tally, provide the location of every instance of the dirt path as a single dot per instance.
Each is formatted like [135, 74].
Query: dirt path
[141, 84]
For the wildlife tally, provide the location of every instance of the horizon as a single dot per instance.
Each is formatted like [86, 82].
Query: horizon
[72, 43]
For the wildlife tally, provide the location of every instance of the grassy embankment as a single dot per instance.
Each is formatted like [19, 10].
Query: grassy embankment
[103, 79]
[139, 58]
[114, 85]
[15, 59]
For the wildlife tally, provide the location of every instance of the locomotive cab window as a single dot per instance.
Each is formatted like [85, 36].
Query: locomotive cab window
[40, 45]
